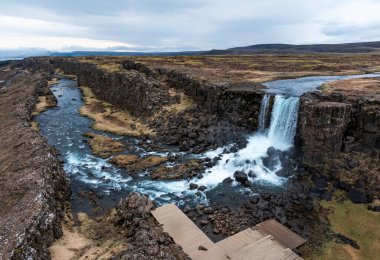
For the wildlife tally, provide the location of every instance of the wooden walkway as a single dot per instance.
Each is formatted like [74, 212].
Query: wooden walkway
[268, 240]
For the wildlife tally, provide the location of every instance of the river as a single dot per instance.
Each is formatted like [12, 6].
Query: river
[97, 184]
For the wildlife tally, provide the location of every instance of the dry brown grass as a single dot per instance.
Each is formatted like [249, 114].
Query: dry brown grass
[184, 103]
[43, 103]
[35, 126]
[125, 160]
[53, 81]
[364, 87]
[252, 68]
[265, 67]
[104, 146]
[110, 119]
[135, 164]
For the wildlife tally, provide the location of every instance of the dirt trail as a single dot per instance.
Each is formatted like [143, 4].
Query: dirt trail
[75, 243]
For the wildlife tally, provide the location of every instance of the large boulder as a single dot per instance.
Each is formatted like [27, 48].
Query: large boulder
[242, 178]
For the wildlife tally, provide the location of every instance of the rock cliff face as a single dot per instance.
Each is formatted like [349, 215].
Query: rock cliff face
[33, 186]
[363, 130]
[331, 124]
[130, 90]
[240, 104]
[142, 90]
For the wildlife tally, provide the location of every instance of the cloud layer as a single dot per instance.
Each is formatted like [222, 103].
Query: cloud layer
[171, 25]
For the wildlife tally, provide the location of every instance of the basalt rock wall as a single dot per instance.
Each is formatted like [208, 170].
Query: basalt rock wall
[130, 90]
[331, 124]
[240, 104]
[143, 90]
[33, 185]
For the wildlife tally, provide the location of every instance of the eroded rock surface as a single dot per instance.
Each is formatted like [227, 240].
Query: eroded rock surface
[33, 186]
[146, 239]
[335, 123]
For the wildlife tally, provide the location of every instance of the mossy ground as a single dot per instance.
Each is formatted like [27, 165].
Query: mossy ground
[356, 222]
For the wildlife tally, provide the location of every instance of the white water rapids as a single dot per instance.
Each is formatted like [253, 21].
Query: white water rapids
[280, 135]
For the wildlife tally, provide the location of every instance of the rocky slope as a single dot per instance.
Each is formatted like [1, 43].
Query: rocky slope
[33, 186]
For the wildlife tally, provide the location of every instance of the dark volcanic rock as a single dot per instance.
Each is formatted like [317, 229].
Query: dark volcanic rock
[193, 186]
[33, 186]
[356, 196]
[227, 180]
[321, 126]
[328, 125]
[342, 239]
[374, 208]
[242, 178]
[146, 239]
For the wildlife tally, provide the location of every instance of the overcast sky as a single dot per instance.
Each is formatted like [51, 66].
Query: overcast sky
[169, 25]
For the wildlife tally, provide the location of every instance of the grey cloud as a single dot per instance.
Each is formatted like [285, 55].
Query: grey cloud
[197, 24]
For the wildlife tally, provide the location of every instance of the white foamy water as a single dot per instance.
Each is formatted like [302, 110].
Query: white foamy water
[100, 173]
[250, 159]
[264, 110]
[284, 118]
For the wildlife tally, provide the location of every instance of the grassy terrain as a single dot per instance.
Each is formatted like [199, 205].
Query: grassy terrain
[358, 223]
[252, 68]
[363, 87]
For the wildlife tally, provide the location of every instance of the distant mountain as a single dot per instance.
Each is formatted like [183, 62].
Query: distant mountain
[16, 54]
[360, 47]
[119, 53]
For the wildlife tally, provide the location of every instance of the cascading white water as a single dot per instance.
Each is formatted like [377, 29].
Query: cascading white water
[264, 109]
[284, 119]
[250, 159]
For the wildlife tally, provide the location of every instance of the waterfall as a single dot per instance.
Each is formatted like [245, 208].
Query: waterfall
[264, 109]
[250, 159]
[283, 123]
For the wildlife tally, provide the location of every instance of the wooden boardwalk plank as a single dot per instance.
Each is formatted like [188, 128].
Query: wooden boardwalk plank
[183, 231]
[239, 240]
[281, 233]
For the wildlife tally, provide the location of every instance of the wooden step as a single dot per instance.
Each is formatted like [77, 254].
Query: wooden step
[290, 255]
[239, 240]
[265, 248]
[282, 234]
[183, 231]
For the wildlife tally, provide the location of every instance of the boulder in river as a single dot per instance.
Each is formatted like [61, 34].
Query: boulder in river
[242, 178]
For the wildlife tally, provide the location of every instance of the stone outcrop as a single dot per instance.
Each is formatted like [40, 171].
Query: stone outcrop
[33, 185]
[331, 124]
[146, 238]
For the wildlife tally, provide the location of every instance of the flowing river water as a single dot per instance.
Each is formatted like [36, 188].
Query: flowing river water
[64, 127]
